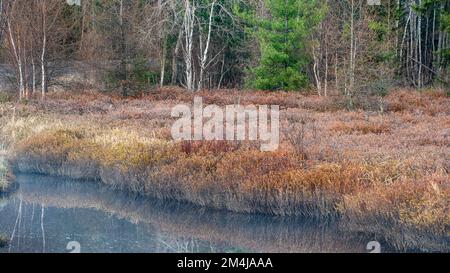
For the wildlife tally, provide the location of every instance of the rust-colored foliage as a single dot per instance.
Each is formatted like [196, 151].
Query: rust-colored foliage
[205, 147]
[363, 128]
[430, 102]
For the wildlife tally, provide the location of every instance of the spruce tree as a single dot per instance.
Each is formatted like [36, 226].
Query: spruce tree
[283, 38]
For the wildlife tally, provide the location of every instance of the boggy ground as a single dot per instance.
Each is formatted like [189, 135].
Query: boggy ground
[382, 168]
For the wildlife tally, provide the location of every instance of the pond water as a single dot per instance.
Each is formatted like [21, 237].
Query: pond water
[48, 214]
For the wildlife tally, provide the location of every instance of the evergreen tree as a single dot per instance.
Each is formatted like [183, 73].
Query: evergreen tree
[283, 39]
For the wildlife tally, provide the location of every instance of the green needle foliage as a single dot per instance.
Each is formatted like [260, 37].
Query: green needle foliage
[283, 37]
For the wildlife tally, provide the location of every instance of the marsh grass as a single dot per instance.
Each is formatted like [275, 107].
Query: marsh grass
[262, 233]
[415, 209]
[244, 180]
[379, 171]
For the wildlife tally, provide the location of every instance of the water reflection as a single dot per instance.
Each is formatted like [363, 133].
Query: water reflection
[47, 213]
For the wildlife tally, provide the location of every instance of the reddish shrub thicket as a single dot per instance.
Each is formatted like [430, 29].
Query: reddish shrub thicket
[228, 97]
[431, 103]
[324, 104]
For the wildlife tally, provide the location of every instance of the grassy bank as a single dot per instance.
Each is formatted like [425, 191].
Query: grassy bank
[260, 233]
[381, 168]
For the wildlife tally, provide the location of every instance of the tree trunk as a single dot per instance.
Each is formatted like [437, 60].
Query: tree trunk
[189, 20]
[163, 63]
[33, 68]
[18, 61]
[123, 62]
[175, 57]
[44, 51]
[204, 59]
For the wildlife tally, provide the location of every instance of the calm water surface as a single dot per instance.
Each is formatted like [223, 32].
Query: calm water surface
[46, 214]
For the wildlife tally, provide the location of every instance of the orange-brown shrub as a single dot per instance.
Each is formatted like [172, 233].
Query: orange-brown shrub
[206, 147]
[323, 104]
[228, 97]
[413, 101]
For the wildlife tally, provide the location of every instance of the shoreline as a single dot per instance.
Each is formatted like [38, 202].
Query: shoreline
[395, 240]
[257, 232]
[212, 194]
[412, 239]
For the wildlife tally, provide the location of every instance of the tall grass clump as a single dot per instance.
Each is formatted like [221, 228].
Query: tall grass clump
[60, 152]
[418, 210]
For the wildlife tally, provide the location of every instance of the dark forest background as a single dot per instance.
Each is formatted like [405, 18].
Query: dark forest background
[346, 46]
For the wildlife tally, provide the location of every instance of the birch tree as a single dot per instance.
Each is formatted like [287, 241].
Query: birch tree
[188, 26]
[204, 45]
[13, 14]
[49, 14]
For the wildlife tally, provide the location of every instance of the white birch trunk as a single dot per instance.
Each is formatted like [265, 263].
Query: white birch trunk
[189, 19]
[18, 60]
[43, 53]
[205, 52]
